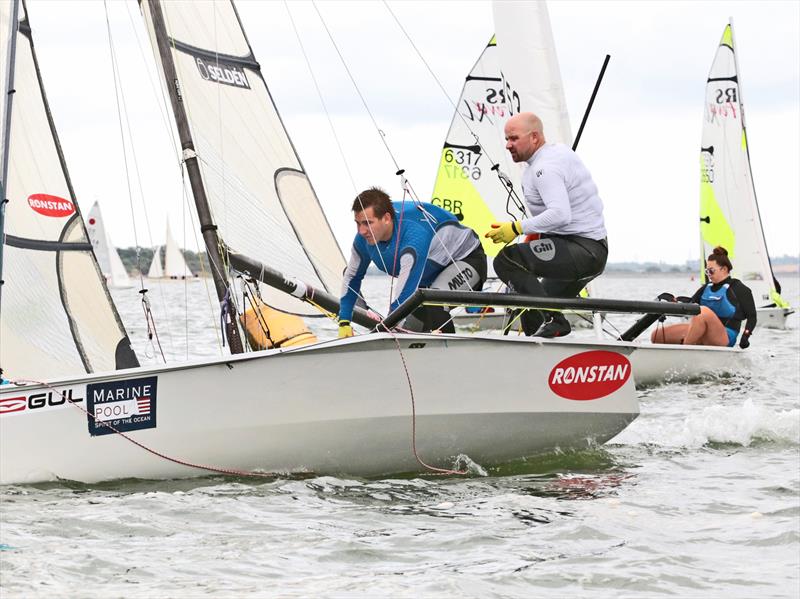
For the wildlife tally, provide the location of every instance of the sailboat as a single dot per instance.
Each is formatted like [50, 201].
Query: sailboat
[729, 214]
[107, 256]
[156, 271]
[175, 266]
[345, 406]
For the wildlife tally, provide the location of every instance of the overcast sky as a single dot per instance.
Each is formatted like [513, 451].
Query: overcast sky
[641, 143]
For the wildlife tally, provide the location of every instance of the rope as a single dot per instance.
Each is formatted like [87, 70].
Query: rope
[179, 461]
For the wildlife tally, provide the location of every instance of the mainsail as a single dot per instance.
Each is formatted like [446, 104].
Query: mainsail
[516, 72]
[260, 197]
[107, 256]
[56, 316]
[728, 209]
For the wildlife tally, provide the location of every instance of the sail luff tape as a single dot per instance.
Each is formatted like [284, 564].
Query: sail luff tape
[300, 288]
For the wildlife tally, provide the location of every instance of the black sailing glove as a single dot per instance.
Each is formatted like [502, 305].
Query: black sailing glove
[744, 342]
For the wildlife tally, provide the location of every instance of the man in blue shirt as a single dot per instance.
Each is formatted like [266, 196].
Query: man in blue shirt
[420, 244]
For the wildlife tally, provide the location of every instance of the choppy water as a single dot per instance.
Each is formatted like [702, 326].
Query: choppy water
[699, 497]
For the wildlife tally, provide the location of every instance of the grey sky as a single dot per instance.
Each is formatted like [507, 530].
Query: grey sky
[641, 143]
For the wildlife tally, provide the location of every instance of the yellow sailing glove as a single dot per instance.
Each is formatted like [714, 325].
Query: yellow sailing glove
[505, 232]
[345, 330]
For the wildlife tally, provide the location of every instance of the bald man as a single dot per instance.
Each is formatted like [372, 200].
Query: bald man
[568, 247]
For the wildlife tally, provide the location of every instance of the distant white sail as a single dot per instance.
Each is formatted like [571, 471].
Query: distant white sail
[156, 271]
[175, 266]
[260, 197]
[107, 256]
[517, 72]
[56, 316]
[728, 209]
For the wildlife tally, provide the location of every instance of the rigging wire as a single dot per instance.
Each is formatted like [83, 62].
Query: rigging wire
[355, 85]
[502, 177]
[122, 110]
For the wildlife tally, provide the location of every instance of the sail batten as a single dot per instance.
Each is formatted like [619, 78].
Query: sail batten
[259, 196]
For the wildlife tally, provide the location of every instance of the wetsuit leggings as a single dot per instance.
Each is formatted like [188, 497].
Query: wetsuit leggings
[431, 318]
[565, 264]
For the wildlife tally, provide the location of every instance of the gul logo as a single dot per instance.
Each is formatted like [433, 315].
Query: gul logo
[589, 375]
[12, 404]
[36, 401]
[48, 205]
[543, 249]
[226, 74]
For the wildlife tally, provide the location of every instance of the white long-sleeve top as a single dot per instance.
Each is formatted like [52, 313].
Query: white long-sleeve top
[560, 194]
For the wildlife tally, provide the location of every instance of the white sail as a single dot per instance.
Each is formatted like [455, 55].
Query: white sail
[175, 266]
[156, 271]
[728, 209]
[517, 72]
[107, 256]
[260, 197]
[56, 316]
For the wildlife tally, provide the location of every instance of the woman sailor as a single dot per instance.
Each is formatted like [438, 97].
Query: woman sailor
[725, 302]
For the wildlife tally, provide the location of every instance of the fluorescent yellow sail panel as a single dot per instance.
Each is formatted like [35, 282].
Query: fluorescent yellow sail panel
[454, 191]
[727, 37]
[716, 230]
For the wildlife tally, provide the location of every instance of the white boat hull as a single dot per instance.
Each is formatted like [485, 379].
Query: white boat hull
[340, 407]
[773, 318]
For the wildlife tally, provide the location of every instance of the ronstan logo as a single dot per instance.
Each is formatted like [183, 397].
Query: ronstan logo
[48, 205]
[589, 375]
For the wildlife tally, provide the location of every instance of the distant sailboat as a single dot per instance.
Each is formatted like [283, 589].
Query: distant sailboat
[156, 271]
[107, 257]
[729, 213]
[174, 267]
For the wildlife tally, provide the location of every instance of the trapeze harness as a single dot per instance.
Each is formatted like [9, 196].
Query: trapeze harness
[719, 304]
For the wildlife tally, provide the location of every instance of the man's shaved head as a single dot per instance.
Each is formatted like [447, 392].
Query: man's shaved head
[528, 121]
[524, 135]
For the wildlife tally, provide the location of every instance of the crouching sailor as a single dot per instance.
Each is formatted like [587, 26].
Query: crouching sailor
[420, 244]
[570, 247]
[725, 302]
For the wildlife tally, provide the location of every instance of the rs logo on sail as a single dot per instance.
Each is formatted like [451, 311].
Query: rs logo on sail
[589, 375]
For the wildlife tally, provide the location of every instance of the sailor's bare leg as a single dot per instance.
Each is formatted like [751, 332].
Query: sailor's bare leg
[673, 333]
[706, 329]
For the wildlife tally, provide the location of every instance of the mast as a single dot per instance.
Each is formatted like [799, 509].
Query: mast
[6, 132]
[207, 226]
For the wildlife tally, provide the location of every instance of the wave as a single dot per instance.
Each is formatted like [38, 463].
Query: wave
[746, 424]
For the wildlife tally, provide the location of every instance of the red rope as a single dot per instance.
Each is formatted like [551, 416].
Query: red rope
[229, 471]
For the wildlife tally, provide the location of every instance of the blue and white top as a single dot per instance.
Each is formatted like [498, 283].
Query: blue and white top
[430, 238]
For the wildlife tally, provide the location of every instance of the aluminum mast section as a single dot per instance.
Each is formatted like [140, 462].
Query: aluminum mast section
[207, 226]
[8, 89]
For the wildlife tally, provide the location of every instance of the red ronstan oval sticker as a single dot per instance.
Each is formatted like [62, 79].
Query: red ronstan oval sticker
[589, 375]
[48, 205]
